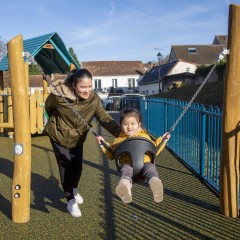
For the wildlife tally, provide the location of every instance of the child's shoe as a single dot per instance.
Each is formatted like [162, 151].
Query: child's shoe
[157, 189]
[77, 196]
[73, 208]
[123, 190]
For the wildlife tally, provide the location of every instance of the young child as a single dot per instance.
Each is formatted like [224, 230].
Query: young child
[131, 125]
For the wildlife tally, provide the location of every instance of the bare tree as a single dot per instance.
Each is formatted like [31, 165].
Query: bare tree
[3, 48]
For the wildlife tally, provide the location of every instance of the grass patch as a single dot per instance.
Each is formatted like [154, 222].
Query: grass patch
[211, 94]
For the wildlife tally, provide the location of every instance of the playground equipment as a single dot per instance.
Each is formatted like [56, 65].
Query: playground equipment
[21, 123]
[22, 138]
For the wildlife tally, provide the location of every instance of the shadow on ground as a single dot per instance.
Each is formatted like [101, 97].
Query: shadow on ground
[189, 210]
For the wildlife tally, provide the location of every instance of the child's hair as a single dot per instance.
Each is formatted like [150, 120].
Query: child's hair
[75, 76]
[130, 112]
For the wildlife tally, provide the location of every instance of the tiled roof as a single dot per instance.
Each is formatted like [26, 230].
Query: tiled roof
[153, 75]
[206, 54]
[220, 39]
[110, 68]
[37, 80]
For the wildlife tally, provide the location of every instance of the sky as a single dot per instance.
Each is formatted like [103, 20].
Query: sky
[118, 30]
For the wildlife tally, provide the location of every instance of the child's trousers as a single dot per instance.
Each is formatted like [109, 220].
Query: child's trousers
[148, 171]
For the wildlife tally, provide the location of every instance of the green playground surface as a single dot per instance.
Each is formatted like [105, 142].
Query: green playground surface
[190, 209]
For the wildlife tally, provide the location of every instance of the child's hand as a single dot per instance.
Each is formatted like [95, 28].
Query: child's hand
[166, 136]
[99, 139]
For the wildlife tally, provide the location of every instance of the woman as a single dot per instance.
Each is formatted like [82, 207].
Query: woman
[67, 132]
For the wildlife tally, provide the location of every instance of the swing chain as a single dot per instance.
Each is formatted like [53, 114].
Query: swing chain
[220, 57]
[31, 60]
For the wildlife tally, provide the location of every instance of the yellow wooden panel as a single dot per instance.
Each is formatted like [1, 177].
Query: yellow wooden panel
[33, 113]
[1, 111]
[10, 113]
[40, 116]
[6, 125]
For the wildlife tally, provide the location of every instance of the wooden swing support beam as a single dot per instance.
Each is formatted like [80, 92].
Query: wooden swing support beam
[19, 72]
[229, 172]
[22, 138]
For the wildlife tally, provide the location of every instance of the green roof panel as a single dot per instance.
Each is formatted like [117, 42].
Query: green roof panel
[55, 60]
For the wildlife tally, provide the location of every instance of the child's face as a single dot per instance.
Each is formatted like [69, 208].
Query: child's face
[130, 126]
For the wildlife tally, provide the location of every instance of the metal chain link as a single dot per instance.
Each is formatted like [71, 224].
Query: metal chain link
[31, 60]
[220, 57]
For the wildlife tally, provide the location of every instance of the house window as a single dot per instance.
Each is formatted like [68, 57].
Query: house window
[98, 84]
[131, 83]
[192, 50]
[114, 83]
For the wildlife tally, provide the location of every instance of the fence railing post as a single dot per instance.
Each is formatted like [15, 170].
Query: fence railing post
[203, 142]
[148, 113]
[165, 116]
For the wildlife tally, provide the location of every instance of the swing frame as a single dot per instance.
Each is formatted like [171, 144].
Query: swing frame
[148, 145]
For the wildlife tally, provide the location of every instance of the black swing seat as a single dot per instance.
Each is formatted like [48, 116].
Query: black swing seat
[136, 147]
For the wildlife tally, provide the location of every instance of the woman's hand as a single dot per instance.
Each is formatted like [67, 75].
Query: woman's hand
[99, 139]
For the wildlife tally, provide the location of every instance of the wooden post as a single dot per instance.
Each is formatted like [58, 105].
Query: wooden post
[22, 136]
[40, 113]
[45, 95]
[1, 100]
[229, 178]
[26, 67]
[10, 112]
[45, 85]
[72, 66]
[33, 113]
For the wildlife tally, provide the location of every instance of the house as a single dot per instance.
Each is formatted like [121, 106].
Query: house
[36, 81]
[159, 78]
[199, 54]
[220, 40]
[115, 76]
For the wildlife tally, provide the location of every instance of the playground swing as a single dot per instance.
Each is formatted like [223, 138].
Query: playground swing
[137, 146]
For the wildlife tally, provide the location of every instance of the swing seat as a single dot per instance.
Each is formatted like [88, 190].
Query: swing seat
[136, 147]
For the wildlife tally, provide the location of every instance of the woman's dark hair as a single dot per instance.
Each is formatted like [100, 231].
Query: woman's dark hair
[130, 112]
[75, 76]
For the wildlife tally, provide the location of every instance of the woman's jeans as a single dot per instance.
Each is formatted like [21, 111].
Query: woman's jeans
[70, 167]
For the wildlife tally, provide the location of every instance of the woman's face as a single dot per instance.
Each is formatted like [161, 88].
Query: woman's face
[84, 88]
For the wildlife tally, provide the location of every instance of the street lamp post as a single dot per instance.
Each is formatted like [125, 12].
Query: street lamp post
[159, 56]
